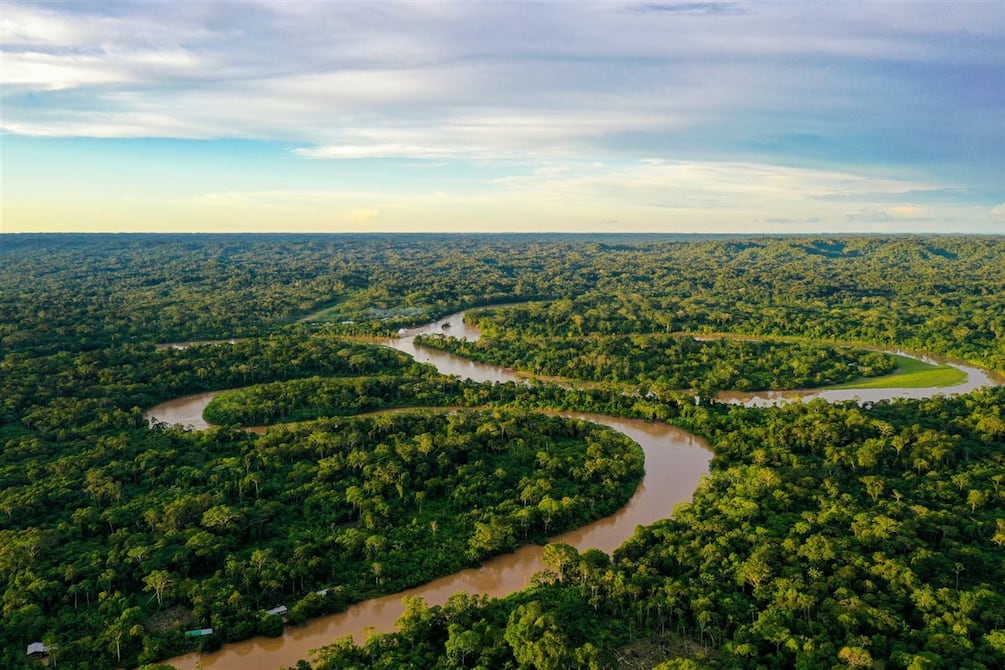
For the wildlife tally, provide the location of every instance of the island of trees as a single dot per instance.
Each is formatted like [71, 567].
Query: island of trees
[827, 535]
[672, 361]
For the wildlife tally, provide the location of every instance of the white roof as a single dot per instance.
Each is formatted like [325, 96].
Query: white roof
[199, 632]
[37, 648]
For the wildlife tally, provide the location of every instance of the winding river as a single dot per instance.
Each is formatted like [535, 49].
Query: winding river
[675, 462]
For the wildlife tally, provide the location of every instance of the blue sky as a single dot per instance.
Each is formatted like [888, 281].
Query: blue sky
[503, 116]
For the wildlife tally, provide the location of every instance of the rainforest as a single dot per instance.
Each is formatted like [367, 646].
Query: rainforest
[335, 461]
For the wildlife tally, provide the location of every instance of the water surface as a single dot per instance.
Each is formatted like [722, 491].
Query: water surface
[674, 460]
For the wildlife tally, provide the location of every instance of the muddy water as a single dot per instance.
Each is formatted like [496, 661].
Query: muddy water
[975, 378]
[454, 365]
[184, 411]
[447, 363]
[675, 462]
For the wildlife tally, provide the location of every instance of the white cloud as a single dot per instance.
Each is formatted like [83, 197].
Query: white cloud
[643, 195]
[364, 88]
[73, 28]
[486, 133]
[416, 63]
[39, 71]
[725, 101]
[365, 214]
[906, 212]
[375, 151]
[34, 26]
[102, 125]
[691, 184]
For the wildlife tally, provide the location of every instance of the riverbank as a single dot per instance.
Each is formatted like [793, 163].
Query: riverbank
[911, 373]
[675, 463]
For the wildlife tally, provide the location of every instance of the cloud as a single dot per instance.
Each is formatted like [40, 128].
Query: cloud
[25, 25]
[104, 126]
[926, 195]
[890, 214]
[374, 151]
[47, 72]
[998, 211]
[37, 71]
[906, 212]
[688, 8]
[412, 64]
[365, 214]
[778, 220]
[727, 97]
[487, 134]
[743, 194]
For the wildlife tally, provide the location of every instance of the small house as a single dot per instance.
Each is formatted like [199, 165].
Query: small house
[199, 632]
[281, 610]
[37, 650]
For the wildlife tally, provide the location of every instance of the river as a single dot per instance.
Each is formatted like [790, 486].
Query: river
[975, 378]
[674, 461]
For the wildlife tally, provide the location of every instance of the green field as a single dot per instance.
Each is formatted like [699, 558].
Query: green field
[911, 373]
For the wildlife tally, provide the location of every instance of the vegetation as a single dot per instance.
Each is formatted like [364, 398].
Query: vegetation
[912, 373]
[66, 394]
[826, 535]
[674, 361]
[302, 399]
[81, 292]
[224, 525]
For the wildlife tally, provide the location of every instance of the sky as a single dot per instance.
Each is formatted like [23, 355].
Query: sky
[384, 116]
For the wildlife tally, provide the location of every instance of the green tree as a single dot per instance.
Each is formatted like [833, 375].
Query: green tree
[158, 581]
[535, 638]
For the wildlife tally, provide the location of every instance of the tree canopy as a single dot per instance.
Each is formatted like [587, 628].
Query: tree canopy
[825, 535]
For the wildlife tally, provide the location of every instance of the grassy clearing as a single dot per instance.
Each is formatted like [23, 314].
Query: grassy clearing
[910, 373]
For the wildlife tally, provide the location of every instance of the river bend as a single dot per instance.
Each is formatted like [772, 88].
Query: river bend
[675, 461]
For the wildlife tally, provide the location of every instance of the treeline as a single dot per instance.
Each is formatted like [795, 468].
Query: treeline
[85, 292]
[72, 293]
[905, 496]
[147, 533]
[305, 399]
[672, 361]
[116, 537]
[943, 295]
[826, 536]
[75, 392]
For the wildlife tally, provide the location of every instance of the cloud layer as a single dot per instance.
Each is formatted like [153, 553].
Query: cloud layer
[890, 92]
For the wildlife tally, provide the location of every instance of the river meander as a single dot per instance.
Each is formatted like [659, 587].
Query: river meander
[674, 460]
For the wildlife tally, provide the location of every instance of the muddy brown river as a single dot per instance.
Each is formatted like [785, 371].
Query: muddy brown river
[674, 460]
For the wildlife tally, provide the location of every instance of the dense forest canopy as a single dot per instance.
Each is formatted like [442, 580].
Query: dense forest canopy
[672, 361]
[826, 535]
[940, 294]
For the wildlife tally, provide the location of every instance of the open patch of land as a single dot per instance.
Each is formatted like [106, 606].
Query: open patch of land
[913, 374]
